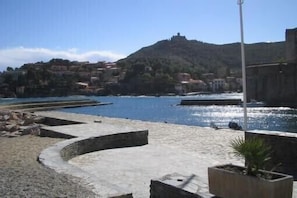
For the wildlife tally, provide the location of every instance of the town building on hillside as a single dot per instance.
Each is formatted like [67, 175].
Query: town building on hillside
[231, 83]
[183, 77]
[218, 85]
[186, 84]
[208, 77]
[59, 68]
[82, 85]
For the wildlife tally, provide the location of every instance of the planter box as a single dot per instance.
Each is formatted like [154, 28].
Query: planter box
[224, 182]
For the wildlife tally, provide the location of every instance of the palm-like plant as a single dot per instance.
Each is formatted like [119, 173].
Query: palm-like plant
[255, 152]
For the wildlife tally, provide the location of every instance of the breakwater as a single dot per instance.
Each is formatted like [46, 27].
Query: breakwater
[212, 102]
[50, 105]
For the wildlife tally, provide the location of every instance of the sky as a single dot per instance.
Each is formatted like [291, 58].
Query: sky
[108, 30]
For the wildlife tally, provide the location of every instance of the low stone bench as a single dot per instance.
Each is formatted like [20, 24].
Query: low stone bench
[56, 157]
[176, 185]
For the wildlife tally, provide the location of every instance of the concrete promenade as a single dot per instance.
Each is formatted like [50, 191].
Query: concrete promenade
[171, 149]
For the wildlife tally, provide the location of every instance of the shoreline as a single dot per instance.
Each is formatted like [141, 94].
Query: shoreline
[206, 144]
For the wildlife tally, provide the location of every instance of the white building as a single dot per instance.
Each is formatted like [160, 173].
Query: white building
[218, 85]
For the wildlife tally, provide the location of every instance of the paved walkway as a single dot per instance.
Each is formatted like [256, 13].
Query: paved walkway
[172, 148]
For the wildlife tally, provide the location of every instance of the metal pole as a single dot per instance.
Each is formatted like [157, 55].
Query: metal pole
[240, 2]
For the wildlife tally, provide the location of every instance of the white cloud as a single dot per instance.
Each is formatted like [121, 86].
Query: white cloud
[16, 57]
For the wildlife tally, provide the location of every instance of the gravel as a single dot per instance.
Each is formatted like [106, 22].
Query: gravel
[22, 176]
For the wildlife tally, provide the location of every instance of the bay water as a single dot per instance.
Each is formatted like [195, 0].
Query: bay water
[167, 109]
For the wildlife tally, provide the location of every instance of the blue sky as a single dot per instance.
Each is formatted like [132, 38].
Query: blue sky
[107, 30]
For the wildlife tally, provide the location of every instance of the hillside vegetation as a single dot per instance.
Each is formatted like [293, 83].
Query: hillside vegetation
[150, 70]
[181, 55]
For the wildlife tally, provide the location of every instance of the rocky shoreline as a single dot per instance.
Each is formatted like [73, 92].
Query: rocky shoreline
[17, 123]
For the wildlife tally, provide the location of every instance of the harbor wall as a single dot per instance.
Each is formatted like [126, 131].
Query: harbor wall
[275, 84]
[283, 147]
[212, 102]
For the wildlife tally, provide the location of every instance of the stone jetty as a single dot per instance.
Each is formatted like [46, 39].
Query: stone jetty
[50, 105]
[211, 102]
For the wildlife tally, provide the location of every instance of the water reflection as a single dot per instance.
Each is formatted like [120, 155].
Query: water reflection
[166, 109]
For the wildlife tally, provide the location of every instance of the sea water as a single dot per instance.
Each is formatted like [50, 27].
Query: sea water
[167, 109]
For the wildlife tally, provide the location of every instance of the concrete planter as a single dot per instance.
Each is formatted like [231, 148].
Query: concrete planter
[224, 182]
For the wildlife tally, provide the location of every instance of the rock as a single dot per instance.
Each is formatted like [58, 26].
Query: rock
[11, 122]
[6, 117]
[11, 127]
[28, 121]
[13, 134]
[14, 116]
[2, 126]
[32, 130]
[21, 122]
[15, 123]
[38, 119]
[4, 112]
[1, 118]
[2, 133]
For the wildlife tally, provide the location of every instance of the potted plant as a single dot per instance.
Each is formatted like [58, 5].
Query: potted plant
[251, 181]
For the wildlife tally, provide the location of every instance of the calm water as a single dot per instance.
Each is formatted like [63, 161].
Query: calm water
[166, 109]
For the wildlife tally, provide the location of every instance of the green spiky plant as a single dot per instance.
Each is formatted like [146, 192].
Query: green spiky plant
[255, 152]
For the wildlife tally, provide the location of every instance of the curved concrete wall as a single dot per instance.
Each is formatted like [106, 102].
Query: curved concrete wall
[56, 157]
[112, 141]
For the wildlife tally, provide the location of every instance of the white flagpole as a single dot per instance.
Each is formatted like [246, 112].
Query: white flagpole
[240, 2]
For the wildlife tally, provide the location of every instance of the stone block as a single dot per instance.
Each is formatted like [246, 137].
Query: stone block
[283, 146]
[176, 186]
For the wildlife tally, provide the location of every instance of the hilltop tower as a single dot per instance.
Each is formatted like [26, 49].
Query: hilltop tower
[178, 37]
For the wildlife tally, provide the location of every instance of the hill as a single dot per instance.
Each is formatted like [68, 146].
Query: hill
[181, 55]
